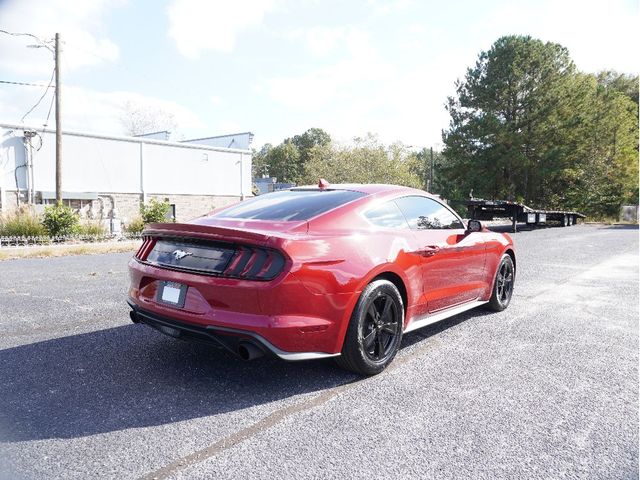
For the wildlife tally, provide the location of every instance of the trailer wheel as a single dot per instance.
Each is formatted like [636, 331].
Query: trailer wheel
[565, 221]
[570, 220]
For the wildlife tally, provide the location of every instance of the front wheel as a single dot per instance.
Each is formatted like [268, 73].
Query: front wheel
[503, 284]
[375, 330]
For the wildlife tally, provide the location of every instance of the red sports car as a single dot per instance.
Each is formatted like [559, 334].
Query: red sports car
[312, 272]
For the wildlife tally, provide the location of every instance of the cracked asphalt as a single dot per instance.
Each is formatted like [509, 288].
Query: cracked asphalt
[546, 389]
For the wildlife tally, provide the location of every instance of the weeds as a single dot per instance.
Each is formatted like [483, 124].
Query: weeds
[22, 223]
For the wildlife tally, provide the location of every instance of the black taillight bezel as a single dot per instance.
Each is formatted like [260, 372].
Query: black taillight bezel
[278, 260]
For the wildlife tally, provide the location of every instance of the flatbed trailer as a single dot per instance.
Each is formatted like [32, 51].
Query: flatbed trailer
[480, 209]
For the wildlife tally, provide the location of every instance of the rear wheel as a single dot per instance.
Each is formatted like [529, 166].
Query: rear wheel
[503, 284]
[375, 330]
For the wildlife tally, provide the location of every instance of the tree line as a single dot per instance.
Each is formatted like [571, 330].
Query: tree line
[525, 125]
[305, 158]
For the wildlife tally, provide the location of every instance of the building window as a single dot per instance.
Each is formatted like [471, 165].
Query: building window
[171, 213]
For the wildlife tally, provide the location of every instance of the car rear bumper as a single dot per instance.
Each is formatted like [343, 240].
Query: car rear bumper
[224, 337]
[283, 315]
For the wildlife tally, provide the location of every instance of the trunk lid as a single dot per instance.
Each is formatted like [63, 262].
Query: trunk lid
[231, 248]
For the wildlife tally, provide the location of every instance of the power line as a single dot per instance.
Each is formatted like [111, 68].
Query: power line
[18, 34]
[27, 84]
[43, 43]
[89, 52]
[46, 122]
[40, 99]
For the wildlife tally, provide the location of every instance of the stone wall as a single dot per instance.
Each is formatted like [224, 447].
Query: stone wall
[192, 206]
[127, 205]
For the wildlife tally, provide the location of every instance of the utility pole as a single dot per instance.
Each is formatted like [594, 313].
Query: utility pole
[58, 124]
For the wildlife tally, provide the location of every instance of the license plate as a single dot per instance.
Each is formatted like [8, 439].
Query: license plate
[172, 293]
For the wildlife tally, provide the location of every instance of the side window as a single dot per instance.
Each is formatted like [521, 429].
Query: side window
[423, 213]
[387, 215]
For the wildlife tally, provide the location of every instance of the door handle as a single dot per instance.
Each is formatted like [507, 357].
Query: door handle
[429, 250]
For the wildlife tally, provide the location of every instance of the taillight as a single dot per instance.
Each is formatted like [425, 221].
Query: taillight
[143, 251]
[212, 258]
[255, 263]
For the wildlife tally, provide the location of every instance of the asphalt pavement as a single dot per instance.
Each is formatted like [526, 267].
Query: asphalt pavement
[546, 389]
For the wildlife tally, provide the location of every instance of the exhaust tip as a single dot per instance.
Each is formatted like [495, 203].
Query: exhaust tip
[249, 351]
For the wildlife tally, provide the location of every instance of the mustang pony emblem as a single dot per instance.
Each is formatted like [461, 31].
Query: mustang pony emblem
[178, 254]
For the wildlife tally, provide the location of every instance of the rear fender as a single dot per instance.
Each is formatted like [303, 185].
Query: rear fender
[497, 246]
[370, 277]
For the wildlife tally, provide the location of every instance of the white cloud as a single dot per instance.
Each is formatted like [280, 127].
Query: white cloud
[387, 7]
[227, 126]
[320, 40]
[90, 110]
[79, 23]
[366, 93]
[598, 35]
[199, 25]
[329, 84]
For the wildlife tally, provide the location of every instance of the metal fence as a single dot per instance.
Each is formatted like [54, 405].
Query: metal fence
[6, 242]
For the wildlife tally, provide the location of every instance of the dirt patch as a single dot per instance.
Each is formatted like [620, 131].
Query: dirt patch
[64, 250]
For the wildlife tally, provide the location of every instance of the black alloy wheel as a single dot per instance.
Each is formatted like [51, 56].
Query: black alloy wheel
[375, 329]
[503, 284]
[380, 327]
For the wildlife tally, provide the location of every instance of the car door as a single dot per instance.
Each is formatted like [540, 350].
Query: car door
[388, 217]
[452, 260]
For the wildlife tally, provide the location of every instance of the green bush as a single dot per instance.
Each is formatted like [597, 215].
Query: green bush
[22, 223]
[154, 211]
[135, 226]
[61, 220]
[92, 228]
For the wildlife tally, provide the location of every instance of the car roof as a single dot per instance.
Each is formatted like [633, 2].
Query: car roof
[367, 188]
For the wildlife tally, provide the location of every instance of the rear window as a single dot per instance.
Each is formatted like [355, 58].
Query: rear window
[290, 205]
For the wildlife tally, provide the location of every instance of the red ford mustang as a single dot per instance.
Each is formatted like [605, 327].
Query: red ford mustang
[329, 271]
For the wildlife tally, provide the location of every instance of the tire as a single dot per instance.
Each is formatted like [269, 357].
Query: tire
[565, 221]
[571, 220]
[375, 330]
[503, 284]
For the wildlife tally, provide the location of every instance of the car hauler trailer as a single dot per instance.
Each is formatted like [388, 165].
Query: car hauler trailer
[480, 209]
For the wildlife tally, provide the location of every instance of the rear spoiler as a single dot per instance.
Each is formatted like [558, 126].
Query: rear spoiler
[213, 232]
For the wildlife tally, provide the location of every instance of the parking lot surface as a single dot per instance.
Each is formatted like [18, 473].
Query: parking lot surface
[546, 389]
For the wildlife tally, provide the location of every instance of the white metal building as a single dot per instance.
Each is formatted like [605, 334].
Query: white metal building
[108, 176]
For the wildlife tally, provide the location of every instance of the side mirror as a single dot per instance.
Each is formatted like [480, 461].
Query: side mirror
[474, 226]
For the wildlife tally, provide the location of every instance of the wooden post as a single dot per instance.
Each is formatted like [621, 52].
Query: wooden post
[58, 123]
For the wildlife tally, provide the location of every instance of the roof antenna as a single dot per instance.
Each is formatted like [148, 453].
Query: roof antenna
[322, 183]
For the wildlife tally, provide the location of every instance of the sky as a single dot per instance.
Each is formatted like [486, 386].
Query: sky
[279, 67]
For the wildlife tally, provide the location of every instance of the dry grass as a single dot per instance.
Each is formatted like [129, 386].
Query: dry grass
[64, 250]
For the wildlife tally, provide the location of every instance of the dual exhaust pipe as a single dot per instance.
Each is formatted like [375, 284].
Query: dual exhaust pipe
[249, 351]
